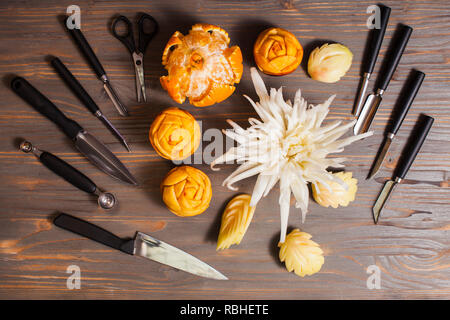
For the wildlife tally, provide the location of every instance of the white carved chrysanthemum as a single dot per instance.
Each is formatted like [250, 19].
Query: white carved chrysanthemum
[288, 145]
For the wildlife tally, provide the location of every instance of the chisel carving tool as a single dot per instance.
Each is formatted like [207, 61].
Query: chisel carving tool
[86, 143]
[374, 99]
[375, 42]
[409, 154]
[85, 98]
[404, 103]
[90, 56]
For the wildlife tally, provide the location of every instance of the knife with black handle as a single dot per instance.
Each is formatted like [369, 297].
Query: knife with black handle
[141, 245]
[373, 50]
[76, 178]
[403, 105]
[390, 65]
[92, 59]
[85, 98]
[87, 144]
[410, 152]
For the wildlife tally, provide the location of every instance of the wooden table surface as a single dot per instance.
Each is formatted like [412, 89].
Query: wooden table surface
[410, 245]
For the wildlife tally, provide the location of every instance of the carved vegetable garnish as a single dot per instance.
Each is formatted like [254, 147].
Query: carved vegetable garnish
[330, 62]
[336, 194]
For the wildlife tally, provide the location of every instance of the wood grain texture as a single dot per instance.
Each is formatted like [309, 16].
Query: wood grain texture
[410, 244]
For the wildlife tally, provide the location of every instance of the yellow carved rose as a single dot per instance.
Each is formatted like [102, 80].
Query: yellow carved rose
[300, 254]
[175, 134]
[277, 52]
[186, 191]
[336, 194]
[235, 220]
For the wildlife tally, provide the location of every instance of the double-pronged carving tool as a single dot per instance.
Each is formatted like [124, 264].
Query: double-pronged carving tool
[86, 143]
[410, 153]
[404, 103]
[373, 50]
[90, 56]
[85, 98]
[105, 200]
[373, 100]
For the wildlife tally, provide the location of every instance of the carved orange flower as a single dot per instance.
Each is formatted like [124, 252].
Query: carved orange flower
[277, 52]
[201, 66]
[186, 191]
[175, 134]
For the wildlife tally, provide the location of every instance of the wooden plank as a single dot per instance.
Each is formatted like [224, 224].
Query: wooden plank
[410, 245]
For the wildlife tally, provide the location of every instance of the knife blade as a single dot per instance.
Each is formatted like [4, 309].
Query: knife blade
[403, 105]
[373, 49]
[390, 64]
[87, 144]
[85, 98]
[91, 57]
[141, 245]
[410, 152]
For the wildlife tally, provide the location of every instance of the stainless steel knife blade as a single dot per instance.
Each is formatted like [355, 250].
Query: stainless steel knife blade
[159, 251]
[367, 114]
[102, 157]
[381, 155]
[382, 198]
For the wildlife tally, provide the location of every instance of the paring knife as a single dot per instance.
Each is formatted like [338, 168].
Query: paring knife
[87, 144]
[142, 245]
[90, 56]
[85, 98]
[105, 200]
[403, 104]
[390, 65]
[409, 154]
[375, 42]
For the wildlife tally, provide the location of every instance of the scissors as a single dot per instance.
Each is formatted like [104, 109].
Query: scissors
[127, 38]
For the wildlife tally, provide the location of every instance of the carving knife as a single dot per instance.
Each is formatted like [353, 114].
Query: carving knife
[375, 42]
[87, 144]
[90, 56]
[412, 148]
[142, 245]
[404, 103]
[390, 65]
[84, 97]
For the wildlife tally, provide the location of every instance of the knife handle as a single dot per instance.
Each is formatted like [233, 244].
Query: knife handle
[67, 172]
[377, 39]
[393, 57]
[39, 102]
[87, 51]
[74, 85]
[91, 231]
[406, 99]
[414, 144]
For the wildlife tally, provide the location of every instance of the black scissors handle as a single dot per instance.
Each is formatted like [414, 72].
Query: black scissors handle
[148, 28]
[128, 38]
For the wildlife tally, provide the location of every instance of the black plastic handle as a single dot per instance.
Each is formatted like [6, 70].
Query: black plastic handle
[127, 38]
[146, 35]
[376, 40]
[74, 85]
[406, 99]
[93, 232]
[414, 144]
[67, 172]
[87, 51]
[39, 102]
[392, 58]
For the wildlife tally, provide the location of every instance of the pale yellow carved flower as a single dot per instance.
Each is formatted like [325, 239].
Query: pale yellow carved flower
[336, 194]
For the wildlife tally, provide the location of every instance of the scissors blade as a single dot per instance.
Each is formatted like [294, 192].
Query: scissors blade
[159, 251]
[140, 80]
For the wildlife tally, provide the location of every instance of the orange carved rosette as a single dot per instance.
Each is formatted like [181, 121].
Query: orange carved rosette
[201, 66]
[186, 191]
[174, 134]
[277, 52]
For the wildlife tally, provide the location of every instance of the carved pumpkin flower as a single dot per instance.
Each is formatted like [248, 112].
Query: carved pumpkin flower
[300, 254]
[235, 220]
[201, 66]
[277, 52]
[174, 134]
[186, 191]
